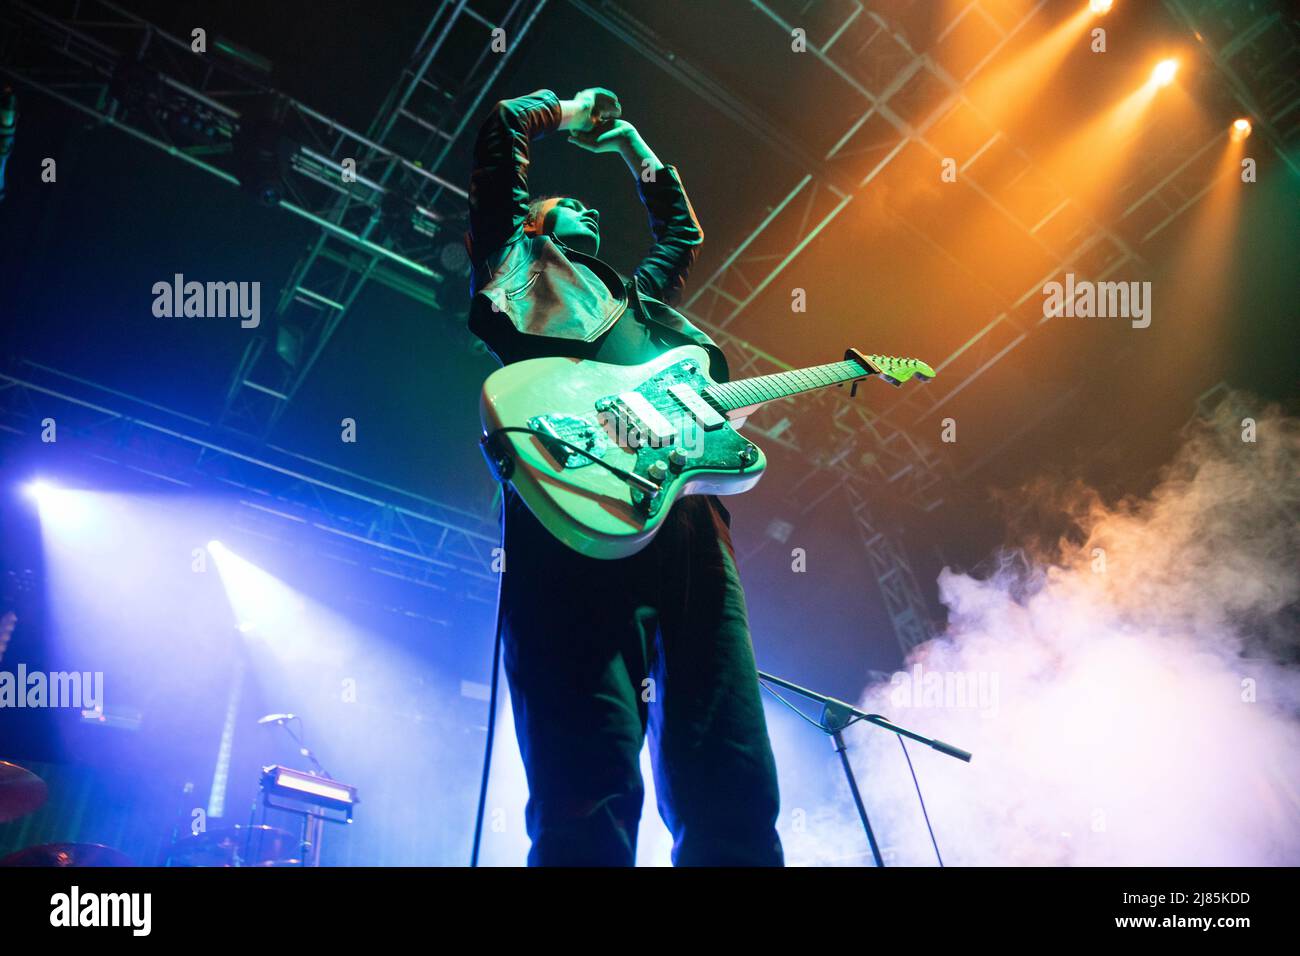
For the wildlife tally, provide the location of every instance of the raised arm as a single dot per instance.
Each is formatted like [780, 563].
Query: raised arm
[678, 236]
[498, 187]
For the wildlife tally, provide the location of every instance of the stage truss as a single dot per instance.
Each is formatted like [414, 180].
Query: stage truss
[399, 221]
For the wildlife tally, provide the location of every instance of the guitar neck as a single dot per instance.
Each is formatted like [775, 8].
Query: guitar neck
[749, 392]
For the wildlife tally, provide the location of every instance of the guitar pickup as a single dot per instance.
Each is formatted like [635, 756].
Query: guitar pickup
[702, 411]
[642, 422]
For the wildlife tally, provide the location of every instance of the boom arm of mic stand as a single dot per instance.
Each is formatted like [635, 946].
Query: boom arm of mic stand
[839, 711]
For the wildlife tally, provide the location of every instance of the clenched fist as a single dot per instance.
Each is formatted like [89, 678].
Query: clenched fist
[589, 108]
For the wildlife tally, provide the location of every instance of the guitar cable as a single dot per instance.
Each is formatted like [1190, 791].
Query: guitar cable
[492, 704]
[502, 466]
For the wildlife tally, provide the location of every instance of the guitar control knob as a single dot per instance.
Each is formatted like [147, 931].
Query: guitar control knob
[657, 471]
[748, 455]
[677, 459]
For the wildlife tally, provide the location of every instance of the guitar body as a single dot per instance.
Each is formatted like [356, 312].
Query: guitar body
[647, 419]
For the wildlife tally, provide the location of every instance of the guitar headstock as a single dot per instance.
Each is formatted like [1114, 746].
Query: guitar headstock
[896, 370]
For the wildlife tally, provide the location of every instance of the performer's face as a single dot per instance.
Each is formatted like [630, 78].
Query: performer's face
[574, 225]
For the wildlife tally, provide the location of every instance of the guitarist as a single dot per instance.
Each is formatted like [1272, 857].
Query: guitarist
[598, 651]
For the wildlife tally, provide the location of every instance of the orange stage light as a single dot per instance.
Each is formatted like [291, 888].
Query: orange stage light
[1100, 6]
[1003, 91]
[1240, 129]
[1164, 72]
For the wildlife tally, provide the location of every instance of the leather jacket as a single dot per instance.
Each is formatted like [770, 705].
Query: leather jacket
[528, 299]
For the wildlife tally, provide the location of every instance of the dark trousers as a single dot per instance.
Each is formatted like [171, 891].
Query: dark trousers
[596, 652]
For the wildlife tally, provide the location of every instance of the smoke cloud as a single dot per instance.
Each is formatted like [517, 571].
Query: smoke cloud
[1130, 694]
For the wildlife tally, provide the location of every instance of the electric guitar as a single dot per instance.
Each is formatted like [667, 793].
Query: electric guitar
[600, 452]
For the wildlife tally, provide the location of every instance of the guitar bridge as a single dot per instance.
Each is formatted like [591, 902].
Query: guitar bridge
[585, 435]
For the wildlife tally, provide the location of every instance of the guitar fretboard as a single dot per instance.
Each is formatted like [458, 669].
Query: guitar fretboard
[764, 388]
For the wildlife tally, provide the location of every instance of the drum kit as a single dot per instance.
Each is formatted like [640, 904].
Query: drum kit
[315, 799]
[23, 792]
[237, 846]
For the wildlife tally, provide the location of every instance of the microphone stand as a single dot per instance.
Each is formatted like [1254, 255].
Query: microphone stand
[836, 716]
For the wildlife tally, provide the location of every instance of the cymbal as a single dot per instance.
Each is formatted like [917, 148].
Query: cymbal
[68, 854]
[21, 791]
